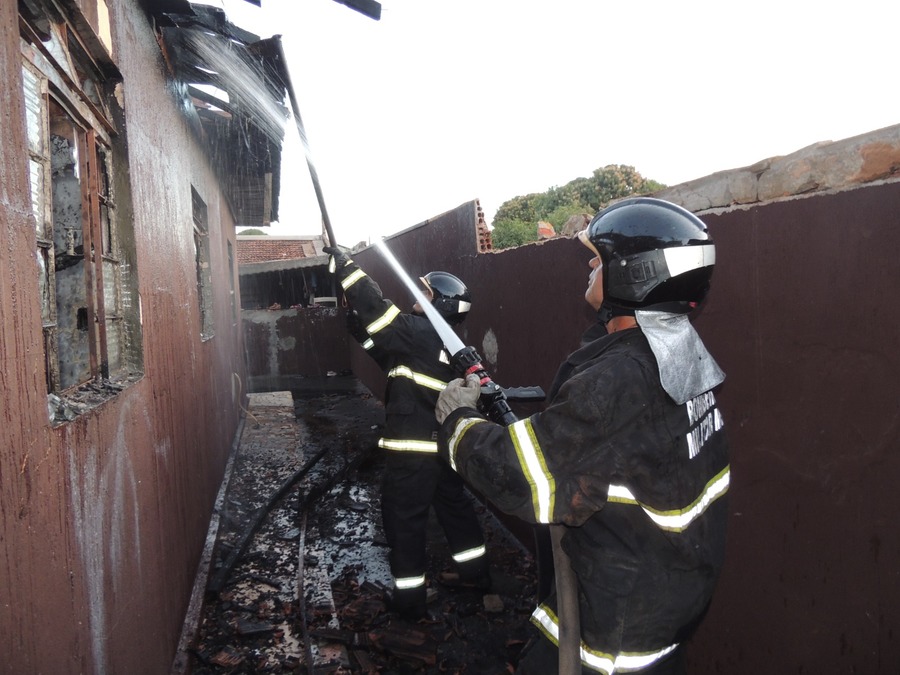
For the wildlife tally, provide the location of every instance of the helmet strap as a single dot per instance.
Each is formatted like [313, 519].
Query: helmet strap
[609, 310]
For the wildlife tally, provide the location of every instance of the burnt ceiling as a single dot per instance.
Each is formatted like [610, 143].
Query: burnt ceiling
[232, 87]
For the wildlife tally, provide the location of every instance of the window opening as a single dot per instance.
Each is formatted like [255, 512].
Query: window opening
[231, 281]
[91, 327]
[204, 272]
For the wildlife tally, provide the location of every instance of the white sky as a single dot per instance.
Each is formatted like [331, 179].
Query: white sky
[439, 103]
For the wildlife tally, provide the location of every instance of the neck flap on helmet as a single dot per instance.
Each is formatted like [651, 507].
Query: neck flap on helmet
[686, 368]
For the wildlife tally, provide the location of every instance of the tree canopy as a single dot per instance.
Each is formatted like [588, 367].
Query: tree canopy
[516, 221]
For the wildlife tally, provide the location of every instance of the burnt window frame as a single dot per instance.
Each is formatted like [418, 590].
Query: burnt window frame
[202, 257]
[62, 80]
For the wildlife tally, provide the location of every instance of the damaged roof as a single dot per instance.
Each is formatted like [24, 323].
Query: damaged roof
[233, 87]
[258, 249]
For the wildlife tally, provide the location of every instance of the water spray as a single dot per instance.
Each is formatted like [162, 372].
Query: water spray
[451, 340]
[240, 80]
[313, 174]
[465, 360]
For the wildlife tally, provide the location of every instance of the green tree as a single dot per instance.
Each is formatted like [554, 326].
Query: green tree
[517, 208]
[516, 220]
[562, 213]
[254, 231]
[509, 233]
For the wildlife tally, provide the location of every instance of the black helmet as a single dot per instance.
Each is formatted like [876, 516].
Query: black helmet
[450, 296]
[653, 252]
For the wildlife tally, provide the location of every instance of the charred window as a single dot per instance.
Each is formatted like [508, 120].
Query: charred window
[231, 281]
[85, 252]
[201, 258]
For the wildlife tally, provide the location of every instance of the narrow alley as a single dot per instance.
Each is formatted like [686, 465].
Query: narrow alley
[298, 562]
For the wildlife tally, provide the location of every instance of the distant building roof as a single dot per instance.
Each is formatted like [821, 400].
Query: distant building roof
[260, 248]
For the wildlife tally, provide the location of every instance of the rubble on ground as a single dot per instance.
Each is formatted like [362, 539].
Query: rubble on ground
[322, 540]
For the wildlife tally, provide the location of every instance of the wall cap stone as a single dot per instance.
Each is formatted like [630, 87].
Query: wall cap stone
[826, 166]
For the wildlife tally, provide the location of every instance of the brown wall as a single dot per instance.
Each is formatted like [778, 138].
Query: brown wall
[801, 317]
[104, 517]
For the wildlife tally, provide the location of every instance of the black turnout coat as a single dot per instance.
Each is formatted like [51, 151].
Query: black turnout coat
[639, 480]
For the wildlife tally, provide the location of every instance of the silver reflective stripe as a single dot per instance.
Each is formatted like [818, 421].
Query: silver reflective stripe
[462, 425]
[531, 459]
[368, 344]
[407, 446]
[418, 378]
[351, 279]
[471, 554]
[677, 520]
[602, 662]
[384, 320]
[463, 306]
[409, 582]
[683, 259]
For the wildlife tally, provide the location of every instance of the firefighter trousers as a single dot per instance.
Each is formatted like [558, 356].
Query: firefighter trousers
[414, 483]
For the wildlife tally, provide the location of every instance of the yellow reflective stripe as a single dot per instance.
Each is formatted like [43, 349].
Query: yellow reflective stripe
[531, 459]
[352, 278]
[418, 378]
[409, 582]
[677, 520]
[384, 320]
[471, 554]
[544, 618]
[462, 426]
[407, 445]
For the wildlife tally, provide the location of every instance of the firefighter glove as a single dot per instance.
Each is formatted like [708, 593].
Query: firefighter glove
[338, 258]
[459, 393]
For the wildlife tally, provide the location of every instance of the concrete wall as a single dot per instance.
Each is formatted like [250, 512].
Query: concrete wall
[802, 319]
[104, 517]
[287, 346]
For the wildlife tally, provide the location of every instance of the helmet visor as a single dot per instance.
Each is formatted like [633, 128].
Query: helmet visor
[585, 239]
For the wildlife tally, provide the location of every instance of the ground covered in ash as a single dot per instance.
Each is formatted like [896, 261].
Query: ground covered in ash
[299, 567]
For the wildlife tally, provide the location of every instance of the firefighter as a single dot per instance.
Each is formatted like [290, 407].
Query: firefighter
[413, 357]
[629, 459]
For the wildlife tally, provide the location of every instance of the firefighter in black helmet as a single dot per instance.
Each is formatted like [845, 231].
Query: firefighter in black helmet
[449, 296]
[630, 453]
[412, 355]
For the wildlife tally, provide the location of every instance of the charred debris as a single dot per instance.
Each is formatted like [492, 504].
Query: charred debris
[298, 570]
